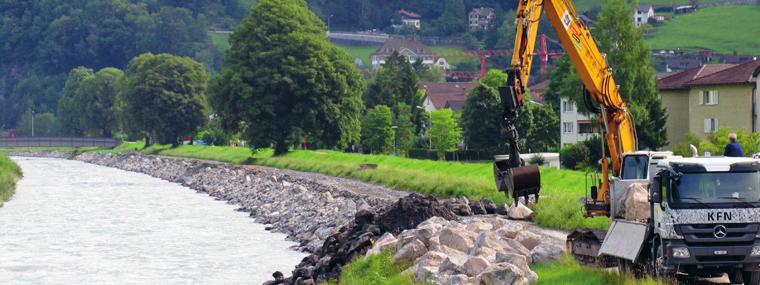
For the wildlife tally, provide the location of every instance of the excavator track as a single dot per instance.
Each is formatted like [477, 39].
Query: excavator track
[584, 245]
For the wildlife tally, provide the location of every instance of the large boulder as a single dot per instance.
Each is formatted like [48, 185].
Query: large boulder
[546, 252]
[410, 252]
[503, 274]
[528, 239]
[634, 206]
[520, 212]
[475, 265]
[387, 241]
[456, 239]
[510, 230]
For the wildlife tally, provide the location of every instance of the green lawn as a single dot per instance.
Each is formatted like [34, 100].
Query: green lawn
[9, 175]
[559, 207]
[585, 5]
[362, 52]
[221, 41]
[725, 29]
[455, 60]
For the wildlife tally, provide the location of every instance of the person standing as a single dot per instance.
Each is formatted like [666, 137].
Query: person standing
[733, 149]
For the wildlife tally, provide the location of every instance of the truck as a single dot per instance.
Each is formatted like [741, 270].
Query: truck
[672, 216]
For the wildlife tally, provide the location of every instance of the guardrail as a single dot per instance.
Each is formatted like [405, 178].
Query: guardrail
[59, 142]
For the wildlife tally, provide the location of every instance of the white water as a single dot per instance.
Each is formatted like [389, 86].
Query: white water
[76, 223]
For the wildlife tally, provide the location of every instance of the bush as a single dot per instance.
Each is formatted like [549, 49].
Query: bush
[537, 160]
[574, 156]
[716, 143]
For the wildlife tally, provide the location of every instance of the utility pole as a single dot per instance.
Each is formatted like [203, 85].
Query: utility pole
[32, 122]
[328, 23]
[395, 139]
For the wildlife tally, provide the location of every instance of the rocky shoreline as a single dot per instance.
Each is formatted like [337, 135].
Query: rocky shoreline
[454, 241]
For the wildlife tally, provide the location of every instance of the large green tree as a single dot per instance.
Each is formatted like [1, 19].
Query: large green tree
[282, 76]
[163, 96]
[69, 109]
[481, 120]
[377, 131]
[396, 83]
[629, 57]
[95, 100]
[445, 132]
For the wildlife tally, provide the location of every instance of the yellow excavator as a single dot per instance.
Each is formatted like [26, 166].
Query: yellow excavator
[615, 120]
[671, 216]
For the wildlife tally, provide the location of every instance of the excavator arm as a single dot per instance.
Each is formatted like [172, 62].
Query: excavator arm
[615, 120]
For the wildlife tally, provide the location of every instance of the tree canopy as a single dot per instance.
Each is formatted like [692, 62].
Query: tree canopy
[396, 83]
[163, 96]
[446, 134]
[377, 131]
[282, 76]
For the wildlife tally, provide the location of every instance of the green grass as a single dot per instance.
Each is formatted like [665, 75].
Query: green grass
[725, 29]
[221, 41]
[455, 60]
[9, 175]
[559, 207]
[376, 269]
[362, 52]
[569, 272]
[585, 5]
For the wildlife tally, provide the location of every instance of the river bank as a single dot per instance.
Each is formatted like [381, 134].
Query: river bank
[10, 173]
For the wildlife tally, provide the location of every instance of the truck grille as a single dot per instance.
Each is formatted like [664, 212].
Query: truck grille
[703, 235]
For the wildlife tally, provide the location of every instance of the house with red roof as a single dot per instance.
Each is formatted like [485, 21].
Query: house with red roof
[443, 95]
[700, 100]
[409, 19]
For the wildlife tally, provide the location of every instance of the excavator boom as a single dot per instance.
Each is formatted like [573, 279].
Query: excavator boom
[615, 120]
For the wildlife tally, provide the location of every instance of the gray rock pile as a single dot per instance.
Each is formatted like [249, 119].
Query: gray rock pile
[476, 250]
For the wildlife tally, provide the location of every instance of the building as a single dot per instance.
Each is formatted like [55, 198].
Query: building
[701, 100]
[537, 91]
[681, 63]
[409, 19]
[481, 18]
[685, 9]
[574, 126]
[442, 95]
[410, 48]
[642, 14]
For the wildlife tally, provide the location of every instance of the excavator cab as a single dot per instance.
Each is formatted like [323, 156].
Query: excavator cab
[512, 176]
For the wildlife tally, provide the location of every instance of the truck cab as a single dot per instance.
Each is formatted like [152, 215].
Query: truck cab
[706, 217]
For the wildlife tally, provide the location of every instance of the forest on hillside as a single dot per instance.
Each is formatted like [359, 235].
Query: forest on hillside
[42, 40]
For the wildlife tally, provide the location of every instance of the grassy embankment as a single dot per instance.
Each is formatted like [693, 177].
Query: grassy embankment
[559, 207]
[725, 29]
[10, 173]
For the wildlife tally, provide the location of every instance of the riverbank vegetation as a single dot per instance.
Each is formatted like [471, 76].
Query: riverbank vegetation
[444, 179]
[10, 173]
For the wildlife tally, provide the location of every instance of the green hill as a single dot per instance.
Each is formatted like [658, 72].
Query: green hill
[725, 29]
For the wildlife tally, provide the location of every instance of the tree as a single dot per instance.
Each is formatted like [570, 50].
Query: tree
[377, 131]
[69, 111]
[282, 75]
[95, 100]
[481, 119]
[395, 83]
[629, 57]
[544, 130]
[445, 133]
[163, 96]
[43, 125]
[405, 128]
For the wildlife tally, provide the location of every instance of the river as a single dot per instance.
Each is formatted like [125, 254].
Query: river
[76, 223]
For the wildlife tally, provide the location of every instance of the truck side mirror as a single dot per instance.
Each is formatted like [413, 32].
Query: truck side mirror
[655, 190]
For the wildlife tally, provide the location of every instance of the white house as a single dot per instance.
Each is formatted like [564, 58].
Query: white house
[409, 19]
[481, 18]
[411, 49]
[574, 127]
[642, 14]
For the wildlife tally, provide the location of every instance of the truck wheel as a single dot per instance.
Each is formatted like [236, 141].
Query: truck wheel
[736, 277]
[751, 277]
[660, 272]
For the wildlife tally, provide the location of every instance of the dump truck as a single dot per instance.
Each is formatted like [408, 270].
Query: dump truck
[672, 216]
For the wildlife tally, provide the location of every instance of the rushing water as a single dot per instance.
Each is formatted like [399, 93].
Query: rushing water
[76, 223]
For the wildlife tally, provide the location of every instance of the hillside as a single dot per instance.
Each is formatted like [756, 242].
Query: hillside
[585, 5]
[725, 29]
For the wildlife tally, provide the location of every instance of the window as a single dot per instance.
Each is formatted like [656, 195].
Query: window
[585, 127]
[711, 125]
[567, 127]
[708, 97]
[567, 106]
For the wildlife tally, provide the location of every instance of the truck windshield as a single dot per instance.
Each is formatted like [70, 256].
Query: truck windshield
[717, 187]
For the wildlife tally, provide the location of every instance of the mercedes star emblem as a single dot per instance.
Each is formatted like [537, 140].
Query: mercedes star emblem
[720, 231]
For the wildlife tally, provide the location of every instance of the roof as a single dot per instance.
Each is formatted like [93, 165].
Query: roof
[537, 91]
[409, 14]
[484, 12]
[643, 8]
[682, 63]
[681, 80]
[738, 74]
[443, 94]
[455, 105]
[712, 164]
[735, 59]
[399, 44]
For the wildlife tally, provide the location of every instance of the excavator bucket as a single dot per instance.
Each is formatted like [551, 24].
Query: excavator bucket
[516, 181]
